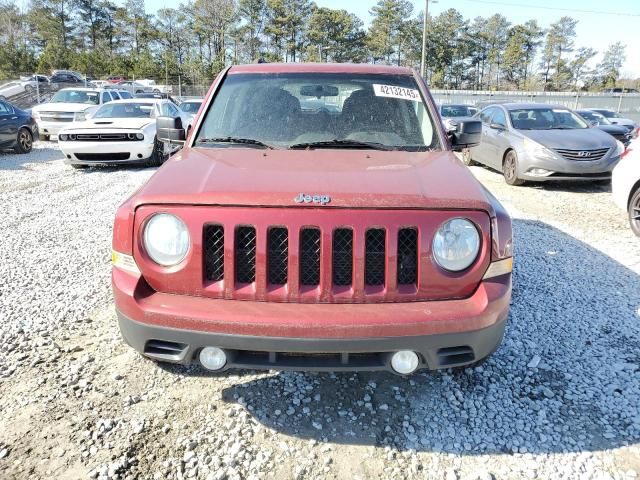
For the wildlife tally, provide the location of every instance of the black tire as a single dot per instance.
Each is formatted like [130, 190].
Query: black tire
[24, 141]
[466, 157]
[634, 212]
[510, 169]
[158, 157]
[46, 138]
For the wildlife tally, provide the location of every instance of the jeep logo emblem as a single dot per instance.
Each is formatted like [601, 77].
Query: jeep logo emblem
[319, 199]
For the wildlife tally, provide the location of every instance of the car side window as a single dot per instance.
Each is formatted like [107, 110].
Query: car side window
[4, 109]
[499, 117]
[106, 98]
[169, 110]
[485, 115]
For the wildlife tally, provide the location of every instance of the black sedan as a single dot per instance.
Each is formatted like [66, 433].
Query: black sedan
[601, 122]
[17, 128]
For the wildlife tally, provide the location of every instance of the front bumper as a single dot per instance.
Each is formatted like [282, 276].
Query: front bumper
[51, 128]
[293, 336]
[139, 151]
[566, 170]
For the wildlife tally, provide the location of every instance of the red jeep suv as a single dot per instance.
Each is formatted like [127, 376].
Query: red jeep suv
[316, 219]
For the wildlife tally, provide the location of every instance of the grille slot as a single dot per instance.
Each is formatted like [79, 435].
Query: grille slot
[96, 157]
[214, 252]
[310, 257]
[277, 255]
[342, 256]
[245, 255]
[583, 155]
[407, 256]
[375, 257]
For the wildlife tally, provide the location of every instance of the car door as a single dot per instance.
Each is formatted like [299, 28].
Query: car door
[496, 139]
[480, 153]
[8, 129]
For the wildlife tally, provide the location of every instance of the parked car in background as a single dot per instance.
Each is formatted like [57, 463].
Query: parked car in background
[619, 90]
[134, 87]
[601, 122]
[450, 113]
[123, 131]
[539, 142]
[72, 73]
[124, 95]
[12, 89]
[376, 249]
[190, 106]
[152, 95]
[17, 128]
[625, 185]
[67, 105]
[65, 78]
[115, 79]
[617, 119]
[32, 79]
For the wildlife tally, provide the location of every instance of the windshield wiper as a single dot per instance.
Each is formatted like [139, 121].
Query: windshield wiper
[337, 143]
[561, 127]
[246, 141]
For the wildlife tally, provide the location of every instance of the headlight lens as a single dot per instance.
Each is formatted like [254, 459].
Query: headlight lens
[62, 136]
[166, 239]
[537, 150]
[456, 244]
[619, 148]
[140, 136]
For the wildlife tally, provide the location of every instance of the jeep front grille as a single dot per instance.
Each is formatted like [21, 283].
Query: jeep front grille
[342, 261]
[278, 255]
[245, 255]
[375, 257]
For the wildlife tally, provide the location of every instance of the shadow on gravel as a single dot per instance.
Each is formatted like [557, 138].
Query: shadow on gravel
[575, 311]
[9, 160]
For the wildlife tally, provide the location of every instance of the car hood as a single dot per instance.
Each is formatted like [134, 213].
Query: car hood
[352, 178]
[576, 139]
[613, 129]
[622, 121]
[112, 123]
[62, 107]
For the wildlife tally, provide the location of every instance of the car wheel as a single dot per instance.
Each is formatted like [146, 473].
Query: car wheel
[24, 141]
[158, 157]
[510, 169]
[634, 212]
[466, 157]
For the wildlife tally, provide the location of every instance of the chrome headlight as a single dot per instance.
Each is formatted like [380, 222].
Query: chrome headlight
[62, 137]
[139, 136]
[79, 116]
[537, 150]
[456, 244]
[166, 239]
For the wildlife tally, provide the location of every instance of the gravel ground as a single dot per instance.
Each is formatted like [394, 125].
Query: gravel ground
[558, 400]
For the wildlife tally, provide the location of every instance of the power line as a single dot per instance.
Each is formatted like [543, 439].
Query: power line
[539, 7]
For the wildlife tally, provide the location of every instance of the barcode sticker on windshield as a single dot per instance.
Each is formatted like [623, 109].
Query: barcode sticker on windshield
[392, 91]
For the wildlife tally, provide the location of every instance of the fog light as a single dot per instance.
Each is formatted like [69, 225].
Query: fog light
[213, 358]
[405, 362]
[539, 172]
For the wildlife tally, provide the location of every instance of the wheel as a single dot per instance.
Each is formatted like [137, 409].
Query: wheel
[634, 212]
[466, 157]
[510, 169]
[28, 89]
[158, 157]
[46, 138]
[24, 141]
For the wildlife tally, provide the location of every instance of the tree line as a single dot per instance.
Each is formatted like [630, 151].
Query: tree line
[199, 38]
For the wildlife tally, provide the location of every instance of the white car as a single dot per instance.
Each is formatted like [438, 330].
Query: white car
[135, 87]
[121, 132]
[66, 106]
[190, 106]
[11, 89]
[625, 184]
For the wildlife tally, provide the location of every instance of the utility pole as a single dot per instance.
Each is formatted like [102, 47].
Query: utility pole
[423, 63]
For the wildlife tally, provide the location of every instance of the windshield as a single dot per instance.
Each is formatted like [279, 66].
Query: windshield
[608, 114]
[190, 107]
[594, 117]
[76, 96]
[125, 110]
[342, 110]
[546, 119]
[450, 111]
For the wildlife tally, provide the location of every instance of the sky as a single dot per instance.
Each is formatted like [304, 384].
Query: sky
[599, 23]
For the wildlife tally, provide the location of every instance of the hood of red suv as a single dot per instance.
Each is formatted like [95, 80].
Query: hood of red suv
[350, 178]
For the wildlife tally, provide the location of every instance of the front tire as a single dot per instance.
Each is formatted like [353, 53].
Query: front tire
[634, 212]
[510, 169]
[158, 157]
[466, 157]
[24, 141]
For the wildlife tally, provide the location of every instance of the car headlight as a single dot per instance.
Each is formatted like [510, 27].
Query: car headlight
[140, 136]
[63, 137]
[456, 244]
[537, 150]
[619, 148]
[166, 239]
[79, 117]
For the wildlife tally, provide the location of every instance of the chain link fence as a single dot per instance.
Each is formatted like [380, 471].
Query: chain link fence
[626, 104]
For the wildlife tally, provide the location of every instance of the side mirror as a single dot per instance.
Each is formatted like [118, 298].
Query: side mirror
[467, 134]
[170, 130]
[497, 126]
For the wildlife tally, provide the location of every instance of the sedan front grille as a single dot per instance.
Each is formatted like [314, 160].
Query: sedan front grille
[105, 137]
[583, 155]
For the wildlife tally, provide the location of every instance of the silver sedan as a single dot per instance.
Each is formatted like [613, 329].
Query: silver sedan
[540, 142]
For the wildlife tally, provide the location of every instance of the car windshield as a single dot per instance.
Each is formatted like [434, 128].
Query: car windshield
[594, 117]
[76, 96]
[125, 110]
[608, 114]
[319, 110]
[545, 119]
[450, 111]
[190, 107]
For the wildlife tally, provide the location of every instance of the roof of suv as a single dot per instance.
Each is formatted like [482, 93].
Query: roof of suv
[320, 68]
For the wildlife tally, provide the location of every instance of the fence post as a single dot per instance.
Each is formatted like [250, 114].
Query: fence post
[620, 102]
[37, 88]
[575, 105]
[179, 86]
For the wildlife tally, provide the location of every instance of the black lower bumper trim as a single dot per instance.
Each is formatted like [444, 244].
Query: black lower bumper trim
[312, 354]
